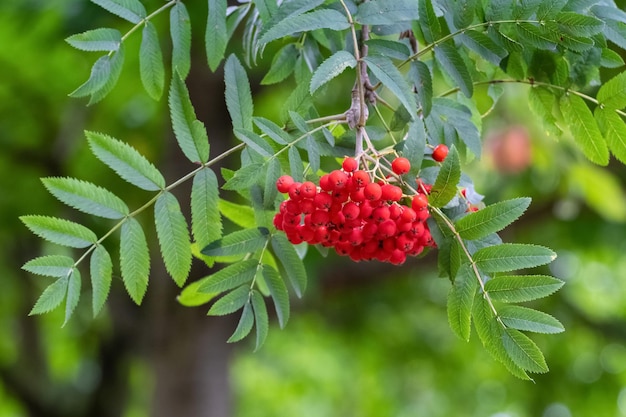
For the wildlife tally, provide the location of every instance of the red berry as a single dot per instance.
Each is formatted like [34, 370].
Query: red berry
[372, 191]
[323, 201]
[419, 202]
[349, 164]
[338, 179]
[283, 183]
[401, 165]
[325, 183]
[391, 192]
[387, 229]
[381, 213]
[440, 152]
[351, 210]
[408, 215]
[294, 191]
[308, 189]
[360, 179]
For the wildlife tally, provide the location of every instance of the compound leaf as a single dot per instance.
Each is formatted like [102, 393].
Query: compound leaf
[460, 301]
[391, 78]
[523, 351]
[52, 296]
[245, 323]
[131, 10]
[260, 318]
[449, 58]
[612, 94]
[73, 294]
[382, 12]
[614, 130]
[318, 19]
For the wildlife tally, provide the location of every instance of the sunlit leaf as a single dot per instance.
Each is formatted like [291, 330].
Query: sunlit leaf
[521, 288]
[523, 351]
[231, 302]
[239, 242]
[229, 277]
[512, 256]
[527, 319]
[584, 129]
[491, 219]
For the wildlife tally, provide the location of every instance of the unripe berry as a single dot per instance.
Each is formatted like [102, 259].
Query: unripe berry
[349, 164]
[440, 152]
[401, 165]
[283, 183]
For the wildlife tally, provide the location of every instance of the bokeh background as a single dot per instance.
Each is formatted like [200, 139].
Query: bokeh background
[367, 339]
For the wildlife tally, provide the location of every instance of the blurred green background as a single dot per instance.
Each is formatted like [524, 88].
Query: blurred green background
[367, 340]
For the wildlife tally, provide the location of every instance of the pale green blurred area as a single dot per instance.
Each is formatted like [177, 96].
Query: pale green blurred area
[376, 343]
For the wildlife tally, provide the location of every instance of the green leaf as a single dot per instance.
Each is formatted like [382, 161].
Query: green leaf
[390, 77]
[383, 12]
[238, 95]
[260, 318]
[331, 68]
[60, 231]
[86, 197]
[73, 294]
[131, 10]
[216, 35]
[229, 277]
[192, 297]
[272, 130]
[491, 219]
[50, 266]
[460, 301]
[428, 22]
[245, 177]
[291, 262]
[282, 65]
[190, 132]
[279, 294]
[239, 214]
[601, 190]
[180, 32]
[230, 302]
[134, 259]
[523, 351]
[313, 153]
[103, 77]
[239, 242]
[419, 73]
[318, 19]
[584, 129]
[254, 142]
[536, 36]
[295, 164]
[614, 131]
[445, 187]
[270, 192]
[612, 94]
[611, 59]
[521, 288]
[542, 101]
[452, 63]
[484, 46]
[579, 25]
[151, 62]
[527, 319]
[126, 161]
[52, 296]
[490, 333]
[206, 223]
[173, 236]
[102, 39]
[245, 323]
[388, 48]
[512, 256]
[101, 272]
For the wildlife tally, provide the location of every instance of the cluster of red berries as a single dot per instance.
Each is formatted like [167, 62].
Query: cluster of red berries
[357, 217]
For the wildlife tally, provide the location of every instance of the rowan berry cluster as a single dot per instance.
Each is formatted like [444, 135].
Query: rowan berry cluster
[358, 217]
